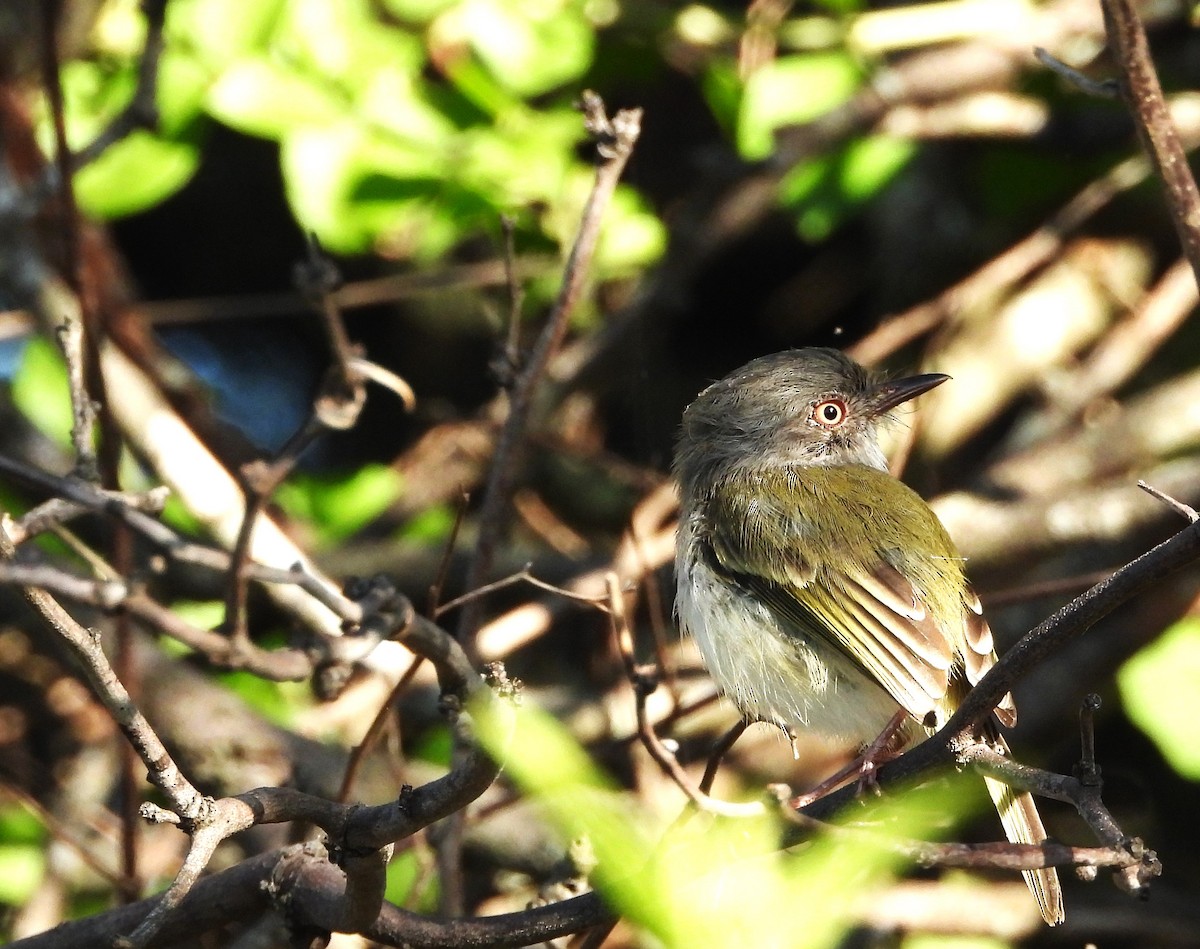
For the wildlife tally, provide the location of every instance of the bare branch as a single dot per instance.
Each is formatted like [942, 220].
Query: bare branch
[615, 142]
[1143, 95]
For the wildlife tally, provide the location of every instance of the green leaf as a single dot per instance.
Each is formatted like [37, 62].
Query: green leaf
[262, 97]
[417, 11]
[22, 855]
[789, 91]
[134, 174]
[870, 163]
[436, 745]
[205, 614]
[722, 90]
[350, 187]
[339, 506]
[220, 31]
[1159, 685]
[631, 237]
[145, 167]
[344, 43]
[22, 869]
[955, 941]
[20, 826]
[826, 191]
[41, 392]
[530, 48]
[279, 702]
[431, 525]
[404, 874]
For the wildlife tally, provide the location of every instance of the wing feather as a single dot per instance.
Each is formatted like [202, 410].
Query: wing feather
[874, 609]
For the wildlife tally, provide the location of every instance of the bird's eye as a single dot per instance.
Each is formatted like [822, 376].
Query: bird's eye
[830, 413]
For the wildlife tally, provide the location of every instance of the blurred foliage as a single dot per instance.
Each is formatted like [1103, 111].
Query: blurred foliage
[40, 390]
[1159, 686]
[402, 128]
[340, 506]
[700, 881]
[22, 854]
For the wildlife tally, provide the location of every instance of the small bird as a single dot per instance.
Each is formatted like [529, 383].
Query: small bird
[823, 593]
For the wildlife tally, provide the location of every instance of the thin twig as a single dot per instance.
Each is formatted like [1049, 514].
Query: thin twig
[644, 679]
[522, 576]
[359, 752]
[720, 749]
[259, 482]
[616, 139]
[508, 361]
[439, 582]
[1089, 771]
[1101, 88]
[1186, 511]
[1143, 95]
[141, 112]
[1007, 268]
[162, 771]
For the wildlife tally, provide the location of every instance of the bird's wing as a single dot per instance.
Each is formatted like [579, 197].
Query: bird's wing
[858, 585]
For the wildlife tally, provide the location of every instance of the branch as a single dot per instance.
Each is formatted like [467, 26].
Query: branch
[1143, 95]
[615, 141]
[186, 801]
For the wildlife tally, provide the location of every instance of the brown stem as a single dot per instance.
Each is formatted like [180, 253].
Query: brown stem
[1143, 95]
[616, 141]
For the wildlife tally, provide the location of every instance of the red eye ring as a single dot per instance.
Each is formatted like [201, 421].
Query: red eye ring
[829, 413]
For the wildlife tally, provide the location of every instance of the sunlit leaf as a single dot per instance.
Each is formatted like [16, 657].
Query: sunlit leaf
[405, 873]
[203, 614]
[344, 42]
[221, 31]
[955, 941]
[279, 702]
[417, 11]
[40, 390]
[791, 90]
[1159, 686]
[722, 90]
[144, 168]
[530, 48]
[261, 97]
[630, 237]
[341, 505]
[22, 870]
[22, 855]
[870, 163]
[826, 191]
[136, 173]
[431, 525]
[393, 100]
[18, 825]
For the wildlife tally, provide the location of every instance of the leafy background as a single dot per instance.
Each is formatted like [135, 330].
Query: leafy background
[400, 133]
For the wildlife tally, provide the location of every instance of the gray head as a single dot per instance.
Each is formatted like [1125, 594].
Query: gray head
[803, 407]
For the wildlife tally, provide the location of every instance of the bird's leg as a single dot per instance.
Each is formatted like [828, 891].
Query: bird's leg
[881, 749]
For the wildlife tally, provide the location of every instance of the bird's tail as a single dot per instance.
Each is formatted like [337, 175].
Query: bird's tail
[1023, 825]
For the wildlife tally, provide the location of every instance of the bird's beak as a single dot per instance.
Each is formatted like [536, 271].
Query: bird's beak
[890, 394]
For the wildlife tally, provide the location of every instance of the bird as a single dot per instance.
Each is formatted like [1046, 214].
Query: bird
[823, 593]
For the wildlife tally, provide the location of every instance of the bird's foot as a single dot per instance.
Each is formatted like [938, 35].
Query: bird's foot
[863, 768]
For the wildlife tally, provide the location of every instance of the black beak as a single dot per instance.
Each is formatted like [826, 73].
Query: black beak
[890, 394]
